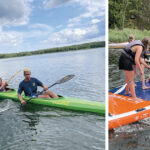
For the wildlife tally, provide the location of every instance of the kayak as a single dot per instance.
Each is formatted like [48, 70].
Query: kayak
[123, 110]
[61, 102]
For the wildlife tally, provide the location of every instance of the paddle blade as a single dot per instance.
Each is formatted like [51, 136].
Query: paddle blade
[65, 79]
[121, 89]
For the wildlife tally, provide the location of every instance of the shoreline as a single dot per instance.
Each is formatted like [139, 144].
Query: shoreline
[83, 46]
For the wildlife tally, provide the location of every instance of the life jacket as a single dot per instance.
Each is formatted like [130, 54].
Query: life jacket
[128, 49]
[3, 87]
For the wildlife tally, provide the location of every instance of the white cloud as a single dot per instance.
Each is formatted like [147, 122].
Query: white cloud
[73, 35]
[14, 12]
[40, 26]
[49, 4]
[94, 9]
[94, 21]
[14, 38]
[10, 38]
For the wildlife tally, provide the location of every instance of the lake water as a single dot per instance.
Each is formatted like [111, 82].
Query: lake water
[46, 128]
[135, 136]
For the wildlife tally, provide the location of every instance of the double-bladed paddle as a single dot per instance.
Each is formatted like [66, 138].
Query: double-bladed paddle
[64, 79]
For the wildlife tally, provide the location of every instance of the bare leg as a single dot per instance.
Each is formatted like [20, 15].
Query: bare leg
[147, 80]
[50, 94]
[130, 76]
[44, 96]
[143, 80]
[127, 87]
[135, 72]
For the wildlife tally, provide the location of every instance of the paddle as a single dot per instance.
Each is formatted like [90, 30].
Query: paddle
[123, 87]
[11, 78]
[64, 79]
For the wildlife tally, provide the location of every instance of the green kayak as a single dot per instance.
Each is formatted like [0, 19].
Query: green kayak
[61, 102]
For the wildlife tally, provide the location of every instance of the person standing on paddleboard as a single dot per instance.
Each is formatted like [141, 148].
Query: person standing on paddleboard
[131, 39]
[3, 85]
[130, 56]
[29, 87]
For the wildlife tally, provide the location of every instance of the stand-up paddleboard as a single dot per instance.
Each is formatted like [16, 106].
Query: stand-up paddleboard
[124, 110]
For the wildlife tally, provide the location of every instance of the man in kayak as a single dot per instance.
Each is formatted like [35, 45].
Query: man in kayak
[3, 85]
[29, 87]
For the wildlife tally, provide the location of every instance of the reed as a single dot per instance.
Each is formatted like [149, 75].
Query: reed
[118, 36]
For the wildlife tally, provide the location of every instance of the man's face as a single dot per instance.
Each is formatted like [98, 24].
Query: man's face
[27, 75]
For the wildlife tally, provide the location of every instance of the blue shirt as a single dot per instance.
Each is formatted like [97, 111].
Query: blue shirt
[30, 87]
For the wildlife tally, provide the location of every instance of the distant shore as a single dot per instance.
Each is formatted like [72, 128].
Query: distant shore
[90, 45]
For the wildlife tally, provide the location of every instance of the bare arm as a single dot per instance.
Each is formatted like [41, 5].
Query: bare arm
[21, 100]
[44, 87]
[144, 63]
[137, 58]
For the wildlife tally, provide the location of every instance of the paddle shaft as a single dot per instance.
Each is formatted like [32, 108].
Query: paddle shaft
[12, 76]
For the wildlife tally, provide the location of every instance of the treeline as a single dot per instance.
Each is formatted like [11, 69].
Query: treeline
[133, 14]
[57, 49]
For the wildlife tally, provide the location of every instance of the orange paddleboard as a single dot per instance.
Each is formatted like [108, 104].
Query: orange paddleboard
[124, 110]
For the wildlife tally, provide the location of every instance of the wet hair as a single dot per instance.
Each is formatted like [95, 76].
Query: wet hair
[146, 42]
[131, 37]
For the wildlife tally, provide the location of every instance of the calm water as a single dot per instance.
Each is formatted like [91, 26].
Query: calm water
[130, 137]
[45, 128]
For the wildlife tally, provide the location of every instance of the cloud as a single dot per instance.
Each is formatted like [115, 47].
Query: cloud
[16, 38]
[10, 38]
[88, 26]
[14, 12]
[94, 21]
[93, 9]
[73, 35]
[54, 3]
[40, 26]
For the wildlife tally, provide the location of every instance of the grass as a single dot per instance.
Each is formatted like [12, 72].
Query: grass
[118, 36]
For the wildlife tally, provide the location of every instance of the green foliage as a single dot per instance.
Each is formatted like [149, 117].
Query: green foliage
[129, 14]
[117, 36]
[57, 49]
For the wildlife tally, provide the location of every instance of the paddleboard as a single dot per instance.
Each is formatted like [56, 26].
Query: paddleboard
[124, 110]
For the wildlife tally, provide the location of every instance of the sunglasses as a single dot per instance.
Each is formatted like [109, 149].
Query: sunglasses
[27, 74]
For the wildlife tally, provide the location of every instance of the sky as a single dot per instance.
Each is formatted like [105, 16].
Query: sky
[27, 25]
